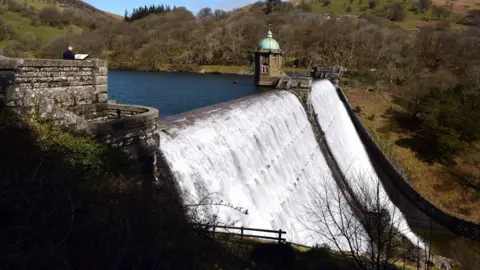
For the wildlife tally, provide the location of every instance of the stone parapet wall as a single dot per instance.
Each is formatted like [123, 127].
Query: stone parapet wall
[42, 85]
[131, 128]
[74, 94]
[301, 82]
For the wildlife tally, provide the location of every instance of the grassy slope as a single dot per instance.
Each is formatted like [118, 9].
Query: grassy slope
[338, 7]
[24, 27]
[440, 184]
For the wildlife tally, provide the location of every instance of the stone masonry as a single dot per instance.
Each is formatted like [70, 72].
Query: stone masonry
[42, 85]
[74, 94]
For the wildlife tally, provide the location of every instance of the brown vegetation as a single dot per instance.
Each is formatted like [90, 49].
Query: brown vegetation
[450, 187]
[458, 6]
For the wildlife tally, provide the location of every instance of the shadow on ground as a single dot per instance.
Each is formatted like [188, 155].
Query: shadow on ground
[57, 216]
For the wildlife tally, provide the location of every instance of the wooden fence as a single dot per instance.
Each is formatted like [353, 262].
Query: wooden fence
[243, 232]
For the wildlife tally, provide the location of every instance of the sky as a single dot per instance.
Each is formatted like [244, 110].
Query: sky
[119, 6]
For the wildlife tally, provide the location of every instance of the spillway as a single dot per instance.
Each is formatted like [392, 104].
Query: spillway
[259, 153]
[350, 154]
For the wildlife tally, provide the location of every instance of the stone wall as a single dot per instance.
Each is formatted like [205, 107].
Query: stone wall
[397, 180]
[74, 93]
[301, 82]
[42, 85]
[331, 74]
[130, 128]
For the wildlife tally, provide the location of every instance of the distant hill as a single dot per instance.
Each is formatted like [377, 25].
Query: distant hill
[114, 16]
[460, 7]
[27, 25]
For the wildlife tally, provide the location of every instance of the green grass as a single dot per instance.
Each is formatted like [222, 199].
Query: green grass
[339, 7]
[227, 69]
[242, 69]
[23, 26]
[37, 4]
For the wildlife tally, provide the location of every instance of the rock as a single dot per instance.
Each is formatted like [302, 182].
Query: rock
[444, 263]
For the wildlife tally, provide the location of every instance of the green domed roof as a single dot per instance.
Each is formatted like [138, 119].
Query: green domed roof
[269, 43]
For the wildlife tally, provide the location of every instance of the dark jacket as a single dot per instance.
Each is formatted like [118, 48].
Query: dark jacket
[68, 55]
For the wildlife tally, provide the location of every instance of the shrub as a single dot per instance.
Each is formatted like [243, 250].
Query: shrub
[6, 30]
[423, 5]
[472, 18]
[397, 12]
[14, 6]
[442, 25]
[50, 16]
[440, 12]
[450, 118]
[80, 152]
[306, 7]
[357, 109]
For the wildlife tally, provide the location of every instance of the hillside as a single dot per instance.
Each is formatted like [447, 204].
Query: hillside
[25, 26]
[460, 7]
[408, 65]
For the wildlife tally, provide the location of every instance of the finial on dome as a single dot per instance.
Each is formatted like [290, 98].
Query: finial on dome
[269, 33]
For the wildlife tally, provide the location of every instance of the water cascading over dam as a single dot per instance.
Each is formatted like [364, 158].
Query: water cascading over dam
[259, 153]
[349, 152]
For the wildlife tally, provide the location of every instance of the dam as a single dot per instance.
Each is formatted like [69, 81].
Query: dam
[267, 159]
[260, 153]
[275, 159]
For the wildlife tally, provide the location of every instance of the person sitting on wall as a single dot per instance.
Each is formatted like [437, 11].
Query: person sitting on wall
[68, 54]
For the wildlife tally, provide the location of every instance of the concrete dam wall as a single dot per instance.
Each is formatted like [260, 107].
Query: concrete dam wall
[261, 153]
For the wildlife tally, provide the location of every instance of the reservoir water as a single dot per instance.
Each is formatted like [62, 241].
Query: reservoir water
[256, 158]
[174, 93]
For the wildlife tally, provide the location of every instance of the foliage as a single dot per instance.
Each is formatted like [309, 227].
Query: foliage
[142, 12]
[450, 118]
[473, 17]
[423, 5]
[6, 30]
[37, 22]
[364, 228]
[397, 12]
[80, 152]
[50, 16]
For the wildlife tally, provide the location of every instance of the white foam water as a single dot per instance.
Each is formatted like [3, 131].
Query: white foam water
[349, 152]
[259, 154]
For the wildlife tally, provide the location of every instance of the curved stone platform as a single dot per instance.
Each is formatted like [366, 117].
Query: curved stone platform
[131, 128]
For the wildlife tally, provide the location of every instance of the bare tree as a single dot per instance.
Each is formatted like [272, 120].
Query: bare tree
[366, 229]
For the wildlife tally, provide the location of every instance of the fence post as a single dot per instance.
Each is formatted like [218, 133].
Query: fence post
[213, 232]
[280, 236]
[241, 232]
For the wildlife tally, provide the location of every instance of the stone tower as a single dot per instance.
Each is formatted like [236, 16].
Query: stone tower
[268, 62]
